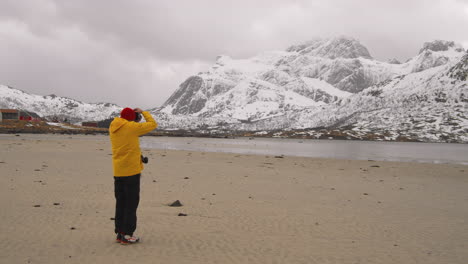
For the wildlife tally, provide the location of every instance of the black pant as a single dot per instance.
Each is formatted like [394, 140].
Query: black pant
[127, 196]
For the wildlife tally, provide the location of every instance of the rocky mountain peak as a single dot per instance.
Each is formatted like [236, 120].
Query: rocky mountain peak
[460, 70]
[441, 45]
[339, 47]
[393, 61]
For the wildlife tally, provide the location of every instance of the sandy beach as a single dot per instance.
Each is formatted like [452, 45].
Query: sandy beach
[57, 205]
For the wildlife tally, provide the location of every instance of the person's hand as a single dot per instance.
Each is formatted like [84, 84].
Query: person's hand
[138, 110]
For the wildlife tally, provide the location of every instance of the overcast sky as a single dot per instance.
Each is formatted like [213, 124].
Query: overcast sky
[137, 52]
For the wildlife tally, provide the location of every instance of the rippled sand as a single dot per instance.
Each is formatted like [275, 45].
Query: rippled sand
[56, 201]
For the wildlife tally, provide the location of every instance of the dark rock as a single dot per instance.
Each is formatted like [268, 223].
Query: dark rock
[437, 45]
[37, 205]
[182, 214]
[56, 203]
[176, 204]
[365, 194]
[186, 178]
[279, 157]
[72, 228]
[375, 166]
[112, 218]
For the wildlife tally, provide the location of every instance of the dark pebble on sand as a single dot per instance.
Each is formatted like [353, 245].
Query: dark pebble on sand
[182, 214]
[365, 194]
[186, 178]
[177, 203]
[56, 203]
[154, 180]
[37, 205]
[37, 170]
[112, 218]
[375, 166]
[72, 228]
[279, 157]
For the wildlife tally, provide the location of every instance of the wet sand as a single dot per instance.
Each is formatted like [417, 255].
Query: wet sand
[56, 200]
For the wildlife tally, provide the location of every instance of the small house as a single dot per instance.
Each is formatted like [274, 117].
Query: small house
[9, 114]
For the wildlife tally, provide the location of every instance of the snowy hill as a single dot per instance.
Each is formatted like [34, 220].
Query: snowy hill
[56, 107]
[331, 83]
[314, 74]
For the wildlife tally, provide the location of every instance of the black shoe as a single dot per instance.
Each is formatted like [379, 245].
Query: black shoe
[119, 238]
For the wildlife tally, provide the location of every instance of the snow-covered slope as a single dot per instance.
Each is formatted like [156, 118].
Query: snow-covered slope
[331, 83]
[309, 75]
[325, 83]
[56, 107]
[430, 105]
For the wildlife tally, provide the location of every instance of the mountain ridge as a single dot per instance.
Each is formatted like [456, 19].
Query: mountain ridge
[333, 84]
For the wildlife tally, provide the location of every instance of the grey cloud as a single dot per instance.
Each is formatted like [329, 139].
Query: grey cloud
[104, 50]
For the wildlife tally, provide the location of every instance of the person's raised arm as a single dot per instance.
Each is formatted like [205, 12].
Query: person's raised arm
[148, 126]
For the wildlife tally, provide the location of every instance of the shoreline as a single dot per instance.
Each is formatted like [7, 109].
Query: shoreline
[18, 127]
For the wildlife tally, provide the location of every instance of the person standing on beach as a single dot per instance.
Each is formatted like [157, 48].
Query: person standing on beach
[127, 167]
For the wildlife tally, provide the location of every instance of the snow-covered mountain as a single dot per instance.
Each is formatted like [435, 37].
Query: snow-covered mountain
[56, 107]
[325, 83]
[329, 83]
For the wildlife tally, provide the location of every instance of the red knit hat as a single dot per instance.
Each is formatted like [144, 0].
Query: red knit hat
[128, 113]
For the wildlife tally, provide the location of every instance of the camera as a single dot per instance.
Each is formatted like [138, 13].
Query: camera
[144, 159]
[137, 117]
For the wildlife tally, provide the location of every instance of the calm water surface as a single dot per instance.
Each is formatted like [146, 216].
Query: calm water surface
[337, 149]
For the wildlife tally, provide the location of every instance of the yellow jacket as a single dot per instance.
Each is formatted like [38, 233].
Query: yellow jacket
[124, 136]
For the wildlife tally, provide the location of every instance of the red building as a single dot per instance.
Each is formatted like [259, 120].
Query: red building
[13, 114]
